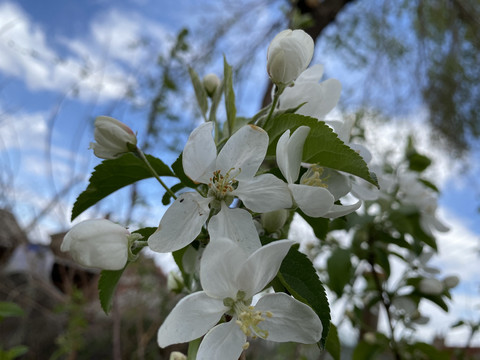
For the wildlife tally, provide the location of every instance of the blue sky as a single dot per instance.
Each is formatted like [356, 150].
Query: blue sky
[64, 62]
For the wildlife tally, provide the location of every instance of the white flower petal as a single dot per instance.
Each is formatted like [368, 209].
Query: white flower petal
[264, 193]
[245, 150]
[219, 267]
[314, 201]
[338, 184]
[363, 190]
[199, 154]
[181, 223]
[192, 317]
[262, 266]
[289, 152]
[341, 210]
[237, 225]
[291, 319]
[312, 74]
[223, 342]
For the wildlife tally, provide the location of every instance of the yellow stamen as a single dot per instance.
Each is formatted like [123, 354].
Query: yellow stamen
[313, 177]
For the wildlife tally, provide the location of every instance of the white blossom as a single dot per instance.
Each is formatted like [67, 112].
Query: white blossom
[230, 277]
[229, 175]
[312, 195]
[320, 97]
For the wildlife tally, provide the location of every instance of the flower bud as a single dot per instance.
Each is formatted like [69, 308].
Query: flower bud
[177, 355]
[113, 138]
[451, 281]
[288, 56]
[211, 82]
[274, 220]
[175, 282]
[98, 243]
[370, 338]
[431, 286]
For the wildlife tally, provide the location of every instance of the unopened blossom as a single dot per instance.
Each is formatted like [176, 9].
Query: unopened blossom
[319, 97]
[98, 243]
[113, 138]
[230, 278]
[211, 82]
[177, 355]
[451, 281]
[431, 286]
[312, 195]
[288, 56]
[228, 175]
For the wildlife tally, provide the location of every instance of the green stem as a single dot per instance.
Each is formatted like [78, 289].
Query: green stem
[142, 156]
[193, 348]
[278, 91]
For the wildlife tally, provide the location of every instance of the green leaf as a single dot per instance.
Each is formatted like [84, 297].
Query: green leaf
[382, 258]
[339, 268]
[429, 185]
[229, 96]
[145, 232]
[366, 351]
[319, 225]
[178, 257]
[10, 309]
[322, 146]
[200, 92]
[166, 198]
[177, 168]
[430, 351]
[300, 278]
[16, 352]
[112, 175]
[106, 287]
[418, 162]
[333, 343]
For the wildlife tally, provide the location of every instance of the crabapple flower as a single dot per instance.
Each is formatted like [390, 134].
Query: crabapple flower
[230, 278]
[413, 192]
[288, 55]
[98, 243]
[312, 195]
[320, 97]
[229, 175]
[113, 138]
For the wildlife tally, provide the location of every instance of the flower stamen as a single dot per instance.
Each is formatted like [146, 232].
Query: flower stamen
[221, 186]
[248, 319]
[313, 177]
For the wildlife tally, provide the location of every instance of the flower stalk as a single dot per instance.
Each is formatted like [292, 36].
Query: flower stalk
[142, 156]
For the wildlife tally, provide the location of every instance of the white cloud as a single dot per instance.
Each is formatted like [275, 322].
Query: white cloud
[101, 64]
[459, 249]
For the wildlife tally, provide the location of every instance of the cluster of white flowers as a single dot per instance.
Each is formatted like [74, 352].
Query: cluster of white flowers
[234, 265]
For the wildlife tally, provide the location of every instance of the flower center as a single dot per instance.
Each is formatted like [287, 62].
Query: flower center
[247, 317]
[313, 177]
[221, 186]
